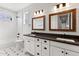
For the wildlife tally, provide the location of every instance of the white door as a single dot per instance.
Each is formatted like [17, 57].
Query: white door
[29, 45]
[55, 51]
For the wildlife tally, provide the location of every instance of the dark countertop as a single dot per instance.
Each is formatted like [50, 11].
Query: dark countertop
[53, 38]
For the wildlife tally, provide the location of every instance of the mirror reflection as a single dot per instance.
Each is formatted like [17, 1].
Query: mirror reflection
[63, 21]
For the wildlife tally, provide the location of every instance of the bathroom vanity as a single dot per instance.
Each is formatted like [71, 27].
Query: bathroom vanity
[45, 44]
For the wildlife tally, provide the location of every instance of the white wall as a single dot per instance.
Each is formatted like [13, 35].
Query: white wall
[48, 8]
[8, 29]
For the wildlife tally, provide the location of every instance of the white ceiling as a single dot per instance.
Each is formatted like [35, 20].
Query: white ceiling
[19, 6]
[14, 6]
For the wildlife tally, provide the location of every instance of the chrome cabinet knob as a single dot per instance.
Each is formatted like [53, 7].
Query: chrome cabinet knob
[45, 41]
[45, 48]
[66, 53]
[62, 51]
[37, 39]
[37, 45]
[37, 53]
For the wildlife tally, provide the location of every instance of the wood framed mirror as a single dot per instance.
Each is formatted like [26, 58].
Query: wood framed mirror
[38, 23]
[63, 21]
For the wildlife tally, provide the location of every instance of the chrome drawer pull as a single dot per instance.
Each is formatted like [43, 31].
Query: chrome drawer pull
[62, 51]
[66, 53]
[37, 39]
[37, 53]
[45, 48]
[45, 41]
[37, 45]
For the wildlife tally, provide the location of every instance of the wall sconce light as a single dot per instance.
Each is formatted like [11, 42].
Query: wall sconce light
[60, 6]
[38, 12]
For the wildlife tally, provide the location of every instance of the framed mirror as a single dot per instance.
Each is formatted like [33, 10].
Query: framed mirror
[63, 21]
[38, 23]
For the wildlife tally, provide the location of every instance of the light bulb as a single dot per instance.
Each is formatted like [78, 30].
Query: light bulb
[67, 5]
[41, 11]
[55, 8]
[35, 13]
[60, 6]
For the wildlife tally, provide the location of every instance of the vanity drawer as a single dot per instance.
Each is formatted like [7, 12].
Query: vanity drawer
[29, 45]
[65, 46]
[46, 42]
[38, 46]
[37, 40]
[45, 50]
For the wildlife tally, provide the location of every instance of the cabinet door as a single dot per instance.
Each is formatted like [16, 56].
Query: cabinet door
[71, 53]
[55, 51]
[32, 48]
[26, 45]
[38, 53]
[45, 50]
[29, 45]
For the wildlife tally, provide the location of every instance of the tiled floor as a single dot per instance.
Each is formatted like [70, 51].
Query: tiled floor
[13, 51]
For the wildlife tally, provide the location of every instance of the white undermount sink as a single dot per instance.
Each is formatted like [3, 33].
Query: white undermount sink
[64, 39]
